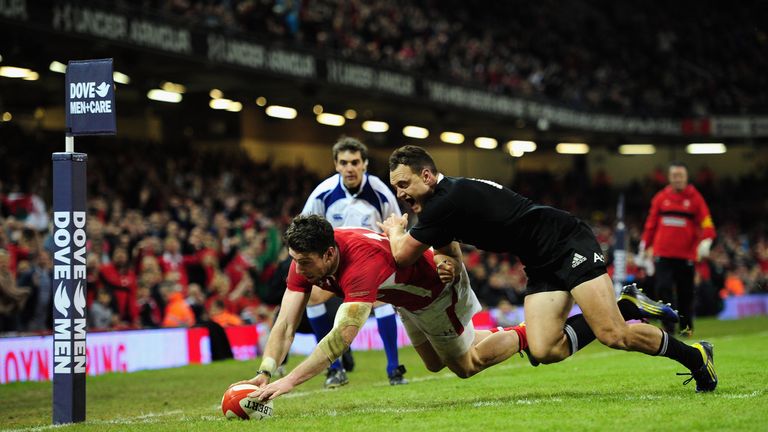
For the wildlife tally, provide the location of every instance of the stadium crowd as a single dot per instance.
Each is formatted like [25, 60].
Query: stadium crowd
[190, 237]
[647, 58]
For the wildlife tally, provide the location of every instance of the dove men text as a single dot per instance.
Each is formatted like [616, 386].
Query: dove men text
[69, 265]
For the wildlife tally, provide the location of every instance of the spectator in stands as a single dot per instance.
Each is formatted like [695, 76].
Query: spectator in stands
[177, 311]
[196, 300]
[222, 316]
[12, 298]
[38, 279]
[102, 313]
[119, 279]
[150, 314]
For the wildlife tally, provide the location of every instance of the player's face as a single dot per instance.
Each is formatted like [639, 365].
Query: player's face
[351, 166]
[312, 265]
[411, 187]
[678, 177]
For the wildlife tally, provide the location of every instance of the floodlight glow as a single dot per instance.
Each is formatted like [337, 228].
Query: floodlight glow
[331, 119]
[350, 114]
[415, 132]
[261, 101]
[164, 96]
[173, 87]
[14, 72]
[216, 94]
[220, 104]
[235, 107]
[572, 148]
[375, 126]
[281, 112]
[121, 78]
[58, 67]
[452, 137]
[706, 148]
[486, 143]
[521, 146]
[637, 149]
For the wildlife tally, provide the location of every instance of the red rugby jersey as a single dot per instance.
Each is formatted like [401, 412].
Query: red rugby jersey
[677, 222]
[367, 272]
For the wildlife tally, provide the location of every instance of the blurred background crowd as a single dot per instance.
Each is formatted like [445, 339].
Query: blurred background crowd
[697, 58]
[192, 236]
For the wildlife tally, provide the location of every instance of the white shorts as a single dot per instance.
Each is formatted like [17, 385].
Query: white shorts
[447, 322]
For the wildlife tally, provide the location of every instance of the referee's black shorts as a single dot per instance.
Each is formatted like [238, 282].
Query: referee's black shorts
[578, 258]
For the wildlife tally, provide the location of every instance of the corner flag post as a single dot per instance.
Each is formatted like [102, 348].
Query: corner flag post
[620, 249]
[90, 110]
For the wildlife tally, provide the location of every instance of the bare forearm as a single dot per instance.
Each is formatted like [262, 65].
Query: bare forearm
[316, 363]
[397, 237]
[279, 342]
[452, 249]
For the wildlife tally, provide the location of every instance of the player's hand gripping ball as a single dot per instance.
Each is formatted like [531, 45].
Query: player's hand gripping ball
[237, 404]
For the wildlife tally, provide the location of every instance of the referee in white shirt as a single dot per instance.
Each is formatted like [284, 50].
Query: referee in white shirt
[353, 198]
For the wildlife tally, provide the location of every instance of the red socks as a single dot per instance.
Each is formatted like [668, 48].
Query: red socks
[520, 330]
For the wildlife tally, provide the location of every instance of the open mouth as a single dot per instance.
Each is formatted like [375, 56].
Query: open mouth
[410, 201]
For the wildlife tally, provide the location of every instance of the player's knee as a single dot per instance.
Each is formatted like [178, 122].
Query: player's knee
[545, 353]
[464, 373]
[434, 366]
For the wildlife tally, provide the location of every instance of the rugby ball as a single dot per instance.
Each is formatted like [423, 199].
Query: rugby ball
[237, 404]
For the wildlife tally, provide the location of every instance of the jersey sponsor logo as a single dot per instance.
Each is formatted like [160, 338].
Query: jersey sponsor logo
[673, 221]
[599, 257]
[577, 260]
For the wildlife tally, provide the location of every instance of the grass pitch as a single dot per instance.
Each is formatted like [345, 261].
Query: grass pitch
[598, 389]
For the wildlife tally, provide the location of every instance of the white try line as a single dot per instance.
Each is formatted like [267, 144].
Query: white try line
[142, 418]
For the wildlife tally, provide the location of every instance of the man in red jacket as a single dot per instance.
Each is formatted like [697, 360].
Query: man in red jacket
[678, 232]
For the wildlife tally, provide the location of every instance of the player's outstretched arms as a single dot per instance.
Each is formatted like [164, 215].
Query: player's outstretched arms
[405, 249]
[350, 318]
[281, 337]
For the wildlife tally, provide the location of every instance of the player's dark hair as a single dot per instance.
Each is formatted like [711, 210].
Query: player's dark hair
[678, 163]
[346, 143]
[414, 157]
[308, 234]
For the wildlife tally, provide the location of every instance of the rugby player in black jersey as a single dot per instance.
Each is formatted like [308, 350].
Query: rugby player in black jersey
[563, 260]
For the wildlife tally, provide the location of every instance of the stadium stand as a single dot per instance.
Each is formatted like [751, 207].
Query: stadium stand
[228, 234]
[590, 55]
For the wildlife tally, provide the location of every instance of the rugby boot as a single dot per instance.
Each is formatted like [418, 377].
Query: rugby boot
[336, 378]
[396, 376]
[705, 376]
[647, 307]
[348, 361]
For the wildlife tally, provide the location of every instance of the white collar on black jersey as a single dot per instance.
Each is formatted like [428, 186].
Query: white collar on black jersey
[440, 177]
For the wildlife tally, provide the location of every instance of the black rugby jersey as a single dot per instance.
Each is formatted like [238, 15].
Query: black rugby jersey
[492, 218]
